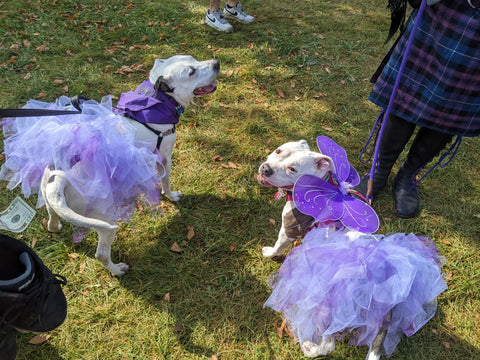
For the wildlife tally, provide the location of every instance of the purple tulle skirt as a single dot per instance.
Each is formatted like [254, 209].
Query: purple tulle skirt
[340, 283]
[96, 149]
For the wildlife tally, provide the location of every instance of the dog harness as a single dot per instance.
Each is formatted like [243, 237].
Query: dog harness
[148, 106]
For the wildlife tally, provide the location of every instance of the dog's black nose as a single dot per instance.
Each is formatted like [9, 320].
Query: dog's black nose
[266, 170]
[216, 65]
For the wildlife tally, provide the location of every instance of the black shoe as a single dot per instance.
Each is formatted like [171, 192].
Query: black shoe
[405, 197]
[379, 183]
[8, 342]
[31, 298]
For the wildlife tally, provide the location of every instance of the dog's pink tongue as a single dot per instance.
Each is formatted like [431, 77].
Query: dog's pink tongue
[206, 89]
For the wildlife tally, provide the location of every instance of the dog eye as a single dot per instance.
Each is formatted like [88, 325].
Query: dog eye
[278, 151]
[192, 71]
[292, 169]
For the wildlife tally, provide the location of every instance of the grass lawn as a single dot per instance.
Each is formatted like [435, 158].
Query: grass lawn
[300, 71]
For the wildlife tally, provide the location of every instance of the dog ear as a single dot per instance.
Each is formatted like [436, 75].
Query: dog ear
[324, 163]
[162, 86]
[304, 144]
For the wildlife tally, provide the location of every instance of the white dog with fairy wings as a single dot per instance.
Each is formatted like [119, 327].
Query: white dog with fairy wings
[282, 169]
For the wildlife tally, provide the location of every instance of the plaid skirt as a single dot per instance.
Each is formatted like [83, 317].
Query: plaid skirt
[440, 86]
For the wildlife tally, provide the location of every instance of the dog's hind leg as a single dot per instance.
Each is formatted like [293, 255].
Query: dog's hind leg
[104, 251]
[312, 350]
[53, 223]
[375, 350]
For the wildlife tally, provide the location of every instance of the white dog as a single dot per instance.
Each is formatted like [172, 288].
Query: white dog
[282, 168]
[300, 278]
[180, 78]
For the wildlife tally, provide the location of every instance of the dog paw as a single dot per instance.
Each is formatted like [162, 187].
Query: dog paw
[174, 196]
[54, 226]
[312, 350]
[119, 269]
[269, 252]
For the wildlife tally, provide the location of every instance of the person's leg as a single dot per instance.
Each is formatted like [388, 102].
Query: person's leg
[396, 134]
[427, 144]
[214, 5]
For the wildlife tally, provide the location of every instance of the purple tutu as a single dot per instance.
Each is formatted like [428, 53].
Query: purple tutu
[340, 283]
[96, 149]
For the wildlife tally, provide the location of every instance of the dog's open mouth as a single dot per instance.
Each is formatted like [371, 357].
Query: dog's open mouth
[264, 182]
[206, 89]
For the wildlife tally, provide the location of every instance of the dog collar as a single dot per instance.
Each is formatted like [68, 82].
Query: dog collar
[146, 105]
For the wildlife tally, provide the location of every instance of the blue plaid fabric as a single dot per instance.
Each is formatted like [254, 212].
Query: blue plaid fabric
[440, 86]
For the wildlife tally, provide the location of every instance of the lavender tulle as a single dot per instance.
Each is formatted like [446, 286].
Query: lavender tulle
[340, 283]
[96, 149]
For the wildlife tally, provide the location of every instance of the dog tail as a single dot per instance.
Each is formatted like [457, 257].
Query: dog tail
[53, 190]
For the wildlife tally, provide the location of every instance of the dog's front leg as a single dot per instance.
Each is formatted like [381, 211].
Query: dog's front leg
[166, 150]
[282, 243]
[104, 250]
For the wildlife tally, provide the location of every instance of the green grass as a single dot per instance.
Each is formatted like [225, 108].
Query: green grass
[320, 54]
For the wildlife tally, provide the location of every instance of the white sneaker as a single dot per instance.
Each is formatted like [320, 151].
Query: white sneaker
[237, 13]
[217, 21]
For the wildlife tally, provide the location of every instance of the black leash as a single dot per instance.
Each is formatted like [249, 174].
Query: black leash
[76, 101]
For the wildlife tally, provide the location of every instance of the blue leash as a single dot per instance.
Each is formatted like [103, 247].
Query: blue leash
[392, 98]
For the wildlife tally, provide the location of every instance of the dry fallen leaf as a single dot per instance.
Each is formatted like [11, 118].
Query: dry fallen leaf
[232, 247]
[83, 265]
[176, 248]
[217, 158]
[446, 344]
[42, 48]
[34, 242]
[280, 92]
[232, 165]
[190, 233]
[178, 328]
[38, 339]
[272, 221]
[41, 95]
[167, 297]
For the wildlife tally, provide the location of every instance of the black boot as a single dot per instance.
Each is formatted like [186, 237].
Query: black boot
[427, 144]
[396, 134]
[31, 298]
[8, 342]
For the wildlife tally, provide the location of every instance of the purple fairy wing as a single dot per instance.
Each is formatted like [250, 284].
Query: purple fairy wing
[316, 197]
[358, 215]
[344, 172]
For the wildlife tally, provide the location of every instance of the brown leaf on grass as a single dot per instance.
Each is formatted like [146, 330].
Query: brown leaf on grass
[83, 265]
[232, 165]
[42, 48]
[178, 328]
[446, 344]
[272, 221]
[446, 242]
[2, 157]
[449, 276]
[167, 297]
[34, 241]
[319, 95]
[176, 248]
[58, 81]
[279, 329]
[73, 256]
[40, 338]
[190, 233]
[41, 95]
[214, 357]
[217, 158]
[233, 246]
[280, 92]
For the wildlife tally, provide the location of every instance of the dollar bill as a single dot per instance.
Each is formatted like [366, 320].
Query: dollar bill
[17, 216]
